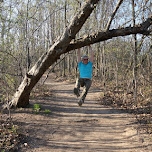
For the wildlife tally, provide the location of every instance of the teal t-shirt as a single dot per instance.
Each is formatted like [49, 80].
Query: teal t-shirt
[85, 70]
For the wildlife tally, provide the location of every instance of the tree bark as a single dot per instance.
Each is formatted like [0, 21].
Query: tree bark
[63, 45]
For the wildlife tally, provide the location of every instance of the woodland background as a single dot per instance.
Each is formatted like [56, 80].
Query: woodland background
[122, 66]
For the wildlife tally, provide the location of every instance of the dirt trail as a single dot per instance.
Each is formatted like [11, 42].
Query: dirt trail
[70, 128]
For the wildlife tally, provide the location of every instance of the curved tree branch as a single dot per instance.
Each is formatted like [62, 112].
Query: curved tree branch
[113, 14]
[106, 35]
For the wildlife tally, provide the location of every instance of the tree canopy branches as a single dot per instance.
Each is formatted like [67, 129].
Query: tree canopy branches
[106, 35]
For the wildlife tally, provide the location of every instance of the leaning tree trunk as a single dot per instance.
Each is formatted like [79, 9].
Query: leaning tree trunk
[21, 97]
[64, 45]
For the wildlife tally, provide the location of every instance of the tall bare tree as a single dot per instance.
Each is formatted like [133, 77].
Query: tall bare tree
[135, 53]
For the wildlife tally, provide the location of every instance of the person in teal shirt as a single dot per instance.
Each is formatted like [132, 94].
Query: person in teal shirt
[85, 69]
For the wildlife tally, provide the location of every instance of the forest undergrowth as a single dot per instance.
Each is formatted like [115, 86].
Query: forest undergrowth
[12, 135]
[141, 109]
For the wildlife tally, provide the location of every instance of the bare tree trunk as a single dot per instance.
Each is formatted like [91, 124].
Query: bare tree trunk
[135, 56]
[27, 38]
[116, 71]
[69, 64]
[21, 97]
[65, 24]
[97, 72]
[104, 68]
[149, 66]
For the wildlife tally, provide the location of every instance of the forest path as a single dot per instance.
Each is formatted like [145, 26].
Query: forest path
[70, 128]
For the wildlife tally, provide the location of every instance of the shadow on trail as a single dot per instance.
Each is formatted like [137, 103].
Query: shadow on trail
[72, 128]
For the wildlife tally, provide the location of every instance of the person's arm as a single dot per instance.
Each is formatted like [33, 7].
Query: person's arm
[92, 54]
[79, 56]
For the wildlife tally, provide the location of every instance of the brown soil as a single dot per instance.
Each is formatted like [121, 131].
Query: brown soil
[70, 128]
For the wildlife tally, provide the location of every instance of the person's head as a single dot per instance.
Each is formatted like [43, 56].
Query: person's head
[85, 59]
